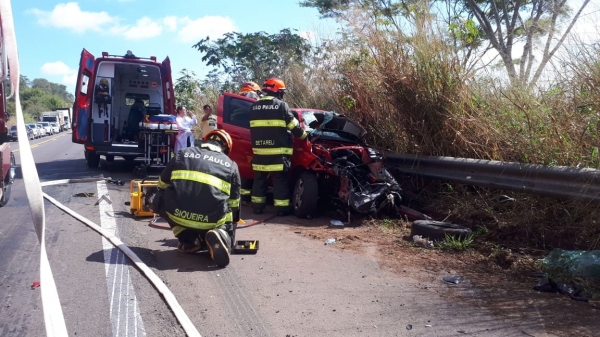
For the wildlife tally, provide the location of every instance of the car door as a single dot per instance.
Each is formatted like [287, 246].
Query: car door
[83, 98]
[167, 85]
[233, 115]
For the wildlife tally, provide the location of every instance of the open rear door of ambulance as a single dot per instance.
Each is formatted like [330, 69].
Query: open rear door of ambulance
[167, 85]
[83, 98]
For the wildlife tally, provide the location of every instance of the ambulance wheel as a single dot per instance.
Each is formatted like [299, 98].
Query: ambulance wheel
[306, 195]
[110, 158]
[140, 171]
[93, 159]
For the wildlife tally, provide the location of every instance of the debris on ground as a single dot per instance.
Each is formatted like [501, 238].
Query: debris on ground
[336, 223]
[330, 241]
[409, 327]
[35, 285]
[424, 242]
[84, 195]
[549, 285]
[452, 279]
[578, 263]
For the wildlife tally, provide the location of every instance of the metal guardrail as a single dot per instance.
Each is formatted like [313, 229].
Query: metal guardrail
[553, 181]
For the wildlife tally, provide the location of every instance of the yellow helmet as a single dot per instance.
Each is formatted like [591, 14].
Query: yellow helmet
[104, 81]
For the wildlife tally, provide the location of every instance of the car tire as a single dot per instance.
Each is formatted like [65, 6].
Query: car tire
[6, 187]
[437, 230]
[306, 195]
[110, 158]
[93, 159]
[5, 194]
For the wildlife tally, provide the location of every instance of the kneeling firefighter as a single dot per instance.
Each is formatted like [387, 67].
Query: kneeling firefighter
[271, 122]
[199, 196]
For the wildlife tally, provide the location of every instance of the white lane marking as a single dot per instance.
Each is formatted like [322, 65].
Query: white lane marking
[123, 302]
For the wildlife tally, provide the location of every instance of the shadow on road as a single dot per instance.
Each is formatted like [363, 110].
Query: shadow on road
[169, 259]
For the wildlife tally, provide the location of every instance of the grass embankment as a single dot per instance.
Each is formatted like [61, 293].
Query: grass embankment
[415, 94]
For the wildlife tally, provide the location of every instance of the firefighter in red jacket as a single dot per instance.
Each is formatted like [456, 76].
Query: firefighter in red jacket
[271, 122]
[199, 196]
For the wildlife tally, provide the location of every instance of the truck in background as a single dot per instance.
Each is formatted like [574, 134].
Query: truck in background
[66, 114]
[59, 116]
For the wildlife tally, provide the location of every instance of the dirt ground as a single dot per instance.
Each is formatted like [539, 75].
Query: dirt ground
[495, 278]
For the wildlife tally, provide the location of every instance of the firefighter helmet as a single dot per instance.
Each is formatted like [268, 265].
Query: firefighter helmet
[104, 81]
[274, 85]
[250, 86]
[222, 137]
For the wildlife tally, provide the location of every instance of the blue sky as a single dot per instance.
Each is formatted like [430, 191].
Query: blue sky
[51, 34]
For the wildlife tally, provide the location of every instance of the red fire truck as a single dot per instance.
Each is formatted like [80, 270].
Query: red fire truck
[7, 159]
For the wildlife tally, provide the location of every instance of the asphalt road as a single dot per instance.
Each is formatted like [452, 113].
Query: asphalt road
[294, 286]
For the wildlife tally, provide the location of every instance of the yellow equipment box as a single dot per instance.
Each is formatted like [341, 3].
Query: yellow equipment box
[142, 192]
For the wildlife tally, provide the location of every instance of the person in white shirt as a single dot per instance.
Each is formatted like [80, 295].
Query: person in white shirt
[185, 137]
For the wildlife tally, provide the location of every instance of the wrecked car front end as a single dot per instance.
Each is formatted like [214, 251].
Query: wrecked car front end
[351, 174]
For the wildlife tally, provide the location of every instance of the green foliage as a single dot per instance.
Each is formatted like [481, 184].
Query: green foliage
[456, 243]
[187, 89]
[38, 96]
[254, 56]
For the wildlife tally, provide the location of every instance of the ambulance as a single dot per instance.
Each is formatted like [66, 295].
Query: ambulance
[111, 91]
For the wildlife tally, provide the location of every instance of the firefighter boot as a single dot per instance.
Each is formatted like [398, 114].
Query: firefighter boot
[188, 247]
[218, 242]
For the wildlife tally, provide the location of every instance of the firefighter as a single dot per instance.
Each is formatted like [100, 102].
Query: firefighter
[270, 124]
[199, 196]
[251, 89]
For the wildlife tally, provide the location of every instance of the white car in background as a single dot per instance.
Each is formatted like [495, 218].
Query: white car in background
[42, 129]
[46, 126]
[36, 130]
[55, 128]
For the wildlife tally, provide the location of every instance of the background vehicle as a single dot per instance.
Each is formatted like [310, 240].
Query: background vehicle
[105, 92]
[59, 116]
[14, 134]
[55, 128]
[42, 130]
[65, 114]
[335, 164]
[36, 130]
[47, 127]
[7, 158]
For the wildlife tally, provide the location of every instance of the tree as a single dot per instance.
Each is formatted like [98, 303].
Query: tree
[505, 24]
[254, 56]
[187, 87]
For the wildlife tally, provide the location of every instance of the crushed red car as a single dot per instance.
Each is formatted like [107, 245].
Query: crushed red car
[334, 165]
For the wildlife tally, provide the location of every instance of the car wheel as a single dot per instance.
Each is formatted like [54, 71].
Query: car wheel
[306, 194]
[93, 159]
[110, 158]
[437, 230]
[5, 194]
[6, 187]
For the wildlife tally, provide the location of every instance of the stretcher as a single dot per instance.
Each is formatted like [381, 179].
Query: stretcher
[157, 134]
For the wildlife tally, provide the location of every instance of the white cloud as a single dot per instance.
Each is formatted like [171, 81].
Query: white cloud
[170, 22]
[144, 28]
[70, 16]
[58, 68]
[213, 26]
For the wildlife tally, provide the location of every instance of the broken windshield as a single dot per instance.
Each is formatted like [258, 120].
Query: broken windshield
[329, 125]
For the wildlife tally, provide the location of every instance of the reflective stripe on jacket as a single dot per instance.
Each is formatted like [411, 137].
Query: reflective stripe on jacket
[270, 123]
[201, 188]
